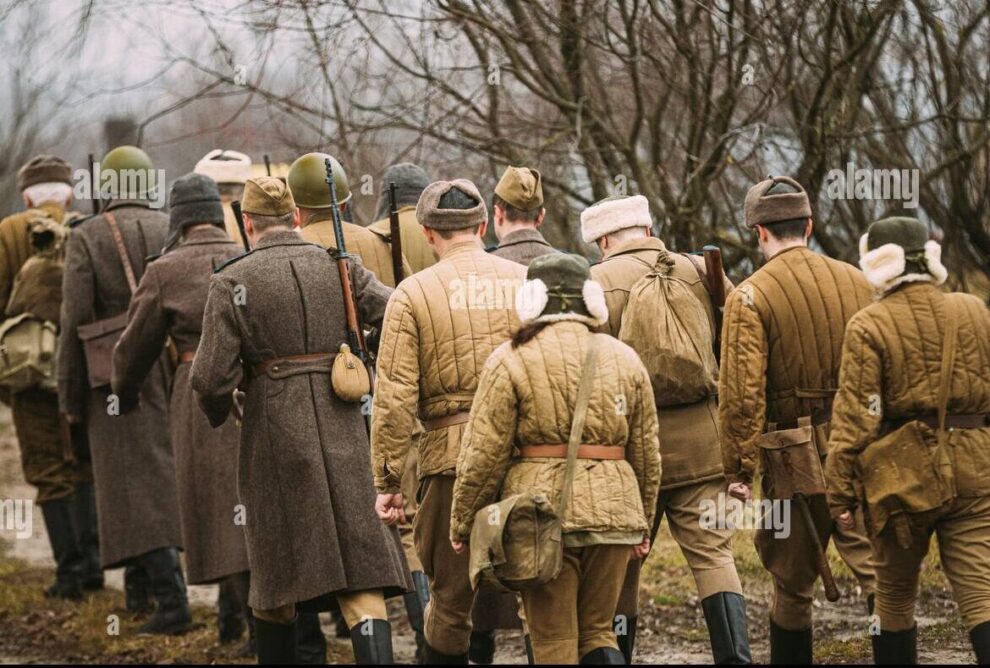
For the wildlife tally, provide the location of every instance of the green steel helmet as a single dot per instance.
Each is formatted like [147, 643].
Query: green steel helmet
[308, 181]
[127, 172]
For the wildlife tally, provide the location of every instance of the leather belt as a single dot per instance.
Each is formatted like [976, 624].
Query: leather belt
[297, 363]
[446, 421]
[187, 357]
[818, 418]
[959, 421]
[584, 451]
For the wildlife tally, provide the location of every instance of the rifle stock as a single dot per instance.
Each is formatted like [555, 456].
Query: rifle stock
[268, 165]
[235, 206]
[395, 234]
[821, 561]
[355, 332]
[715, 280]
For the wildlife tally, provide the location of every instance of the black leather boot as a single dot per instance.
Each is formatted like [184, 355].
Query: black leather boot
[482, 649]
[627, 641]
[530, 657]
[87, 534]
[725, 614]
[230, 617]
[603, 656]
[311, 644]
[416, 601]
[172, 616]
[69, 563]
[431, 657]
[250, 647]
[790, 647]
[276, 643]
[871, 601]
[372, 642]
[893, 648]
[980, 637]
[137, 589]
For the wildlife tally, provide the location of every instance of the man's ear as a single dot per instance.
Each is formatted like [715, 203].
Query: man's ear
[807, 231]
[540, 216]
[297, 218]
[482, 229]
[498, 215]
[248, 224]
[602, 243]
[27, 201]
[761, 233]
[428, 233]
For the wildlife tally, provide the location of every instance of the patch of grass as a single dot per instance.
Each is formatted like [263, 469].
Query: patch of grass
[64, 631]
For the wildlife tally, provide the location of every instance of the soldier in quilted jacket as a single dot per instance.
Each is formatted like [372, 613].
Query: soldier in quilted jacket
[516, 442]
[781, 342]
[440, 326]
[891, 376]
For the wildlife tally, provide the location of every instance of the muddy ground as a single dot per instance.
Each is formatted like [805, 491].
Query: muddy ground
[672, 629]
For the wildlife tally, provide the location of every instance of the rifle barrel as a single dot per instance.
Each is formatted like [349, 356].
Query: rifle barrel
[235, 206]
[395, 234]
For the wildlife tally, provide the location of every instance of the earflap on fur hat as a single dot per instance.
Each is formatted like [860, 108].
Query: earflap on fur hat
[881, 265]
[594, 300]
[531, 299]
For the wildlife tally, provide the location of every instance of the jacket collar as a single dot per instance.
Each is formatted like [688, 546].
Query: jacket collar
[461, 247]
[121, 203]
[523, 235]
[322, 216]
[206, 235]
[635, 246]
[281, 238]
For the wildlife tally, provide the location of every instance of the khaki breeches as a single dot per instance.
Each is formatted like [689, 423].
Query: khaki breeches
[355, 606]
[44, 460]
[791, 561]
[964, 548]
[572, 615]
[447, 619]
[708, 551]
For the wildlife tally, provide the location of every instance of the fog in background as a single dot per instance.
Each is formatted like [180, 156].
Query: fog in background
[687, 103]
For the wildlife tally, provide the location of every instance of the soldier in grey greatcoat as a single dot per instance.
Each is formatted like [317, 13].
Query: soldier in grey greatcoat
[274, 320]
[168, 305]
[133, 468]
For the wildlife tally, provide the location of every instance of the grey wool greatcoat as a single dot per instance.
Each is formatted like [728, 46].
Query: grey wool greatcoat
[133, 470]
[169, 303]
[523, 246]
[305, 463]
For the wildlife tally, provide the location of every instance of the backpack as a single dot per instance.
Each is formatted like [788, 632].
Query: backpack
[27, 340]
[667, 325]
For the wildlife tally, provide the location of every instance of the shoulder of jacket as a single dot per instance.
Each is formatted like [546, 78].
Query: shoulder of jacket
[85, 219]
[230, 261]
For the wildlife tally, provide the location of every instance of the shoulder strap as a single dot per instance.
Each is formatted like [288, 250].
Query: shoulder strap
[711, 297]
[577, 424]
[121, 251]
[949, 346]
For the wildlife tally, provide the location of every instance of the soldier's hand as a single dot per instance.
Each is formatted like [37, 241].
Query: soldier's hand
[740, 490]
[389, 508]
[643, 549]
[458, 545]
[846, 521]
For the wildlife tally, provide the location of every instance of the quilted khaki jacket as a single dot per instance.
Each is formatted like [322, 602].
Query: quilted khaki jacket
[689, 445]
[526, 397]
[415, 248]
[374, 252]
[893, 350]
[441, 325]
[781, 345]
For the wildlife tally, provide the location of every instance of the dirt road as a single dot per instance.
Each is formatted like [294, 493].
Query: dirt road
[672, 628]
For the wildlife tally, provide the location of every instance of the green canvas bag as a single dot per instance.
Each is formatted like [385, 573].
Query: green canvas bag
[908, 472]
[27, 353]
[518, 542]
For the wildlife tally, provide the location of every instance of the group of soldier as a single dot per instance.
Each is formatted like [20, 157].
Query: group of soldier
[221, 431]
